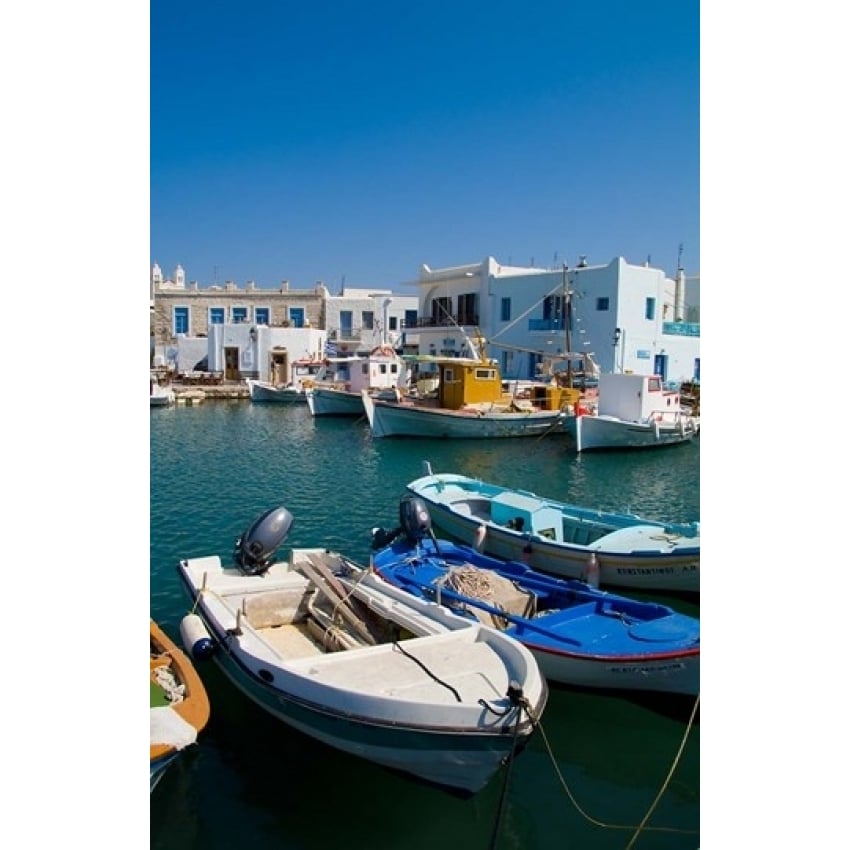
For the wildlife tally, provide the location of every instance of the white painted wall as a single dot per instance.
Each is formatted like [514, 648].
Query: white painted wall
[626, 287]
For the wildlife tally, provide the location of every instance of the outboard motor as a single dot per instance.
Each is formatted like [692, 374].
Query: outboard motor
[414, 518]
[415, 524]
[256, 548]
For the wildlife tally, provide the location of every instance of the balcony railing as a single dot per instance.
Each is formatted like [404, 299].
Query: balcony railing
[680, 328]
[446, 321]
[545, 324]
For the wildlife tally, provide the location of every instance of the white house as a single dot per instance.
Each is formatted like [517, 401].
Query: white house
[359, 320]
[630, 318]
[240, 350]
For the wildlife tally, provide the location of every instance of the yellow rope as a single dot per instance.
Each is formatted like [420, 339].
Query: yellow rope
[642, 826]
[669, 776]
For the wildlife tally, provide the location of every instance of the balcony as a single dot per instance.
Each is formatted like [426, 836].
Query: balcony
[546, 324]
[447, 321]
[680, 328]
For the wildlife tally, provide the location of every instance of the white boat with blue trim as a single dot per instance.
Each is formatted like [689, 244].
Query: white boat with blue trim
[563, 539]
[338, 653]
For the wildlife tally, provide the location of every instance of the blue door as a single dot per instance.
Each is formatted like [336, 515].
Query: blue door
[660, 366]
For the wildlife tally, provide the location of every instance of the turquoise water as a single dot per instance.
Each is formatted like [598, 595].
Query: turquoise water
[600, 760]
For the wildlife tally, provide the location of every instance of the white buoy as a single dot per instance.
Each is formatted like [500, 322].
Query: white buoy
[480, 534]
[196, 639]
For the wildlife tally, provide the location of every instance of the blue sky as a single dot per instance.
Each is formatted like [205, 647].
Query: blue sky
[352, 142]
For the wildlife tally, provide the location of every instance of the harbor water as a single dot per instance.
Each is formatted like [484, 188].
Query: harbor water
[603, 771]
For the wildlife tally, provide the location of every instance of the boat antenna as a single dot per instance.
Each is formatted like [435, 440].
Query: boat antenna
[567, 316]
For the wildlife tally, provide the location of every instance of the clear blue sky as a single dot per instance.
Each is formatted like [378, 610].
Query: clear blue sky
[356, 141]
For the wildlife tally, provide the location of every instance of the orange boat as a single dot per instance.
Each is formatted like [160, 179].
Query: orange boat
[180, 707]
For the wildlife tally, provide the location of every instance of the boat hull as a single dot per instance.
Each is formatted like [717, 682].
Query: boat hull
[371, 701]
[261, 391]
[579, 635]
[659, 560]
[434, 755]
[388, 419]
[675, 675]
[597, 433]
[329, 402]
[174, 725]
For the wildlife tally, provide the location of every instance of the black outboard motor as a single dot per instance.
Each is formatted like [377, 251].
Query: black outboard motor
[414, 518]
[415, 524]
[256, 547]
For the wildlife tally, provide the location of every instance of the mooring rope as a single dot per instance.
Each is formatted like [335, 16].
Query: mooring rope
[641, 827]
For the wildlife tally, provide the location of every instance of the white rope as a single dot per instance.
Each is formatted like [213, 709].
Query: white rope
[168, 682]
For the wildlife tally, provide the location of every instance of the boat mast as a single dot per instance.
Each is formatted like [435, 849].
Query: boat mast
[567, 341]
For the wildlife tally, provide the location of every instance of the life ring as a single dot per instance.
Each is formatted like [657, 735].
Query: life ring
[384, 350]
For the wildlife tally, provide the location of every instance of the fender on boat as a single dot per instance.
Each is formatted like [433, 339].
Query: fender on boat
[196, 639]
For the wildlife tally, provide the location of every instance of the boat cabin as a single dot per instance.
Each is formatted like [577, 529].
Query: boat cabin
[636, 398]
[463, 382]
[523, 513]
[381, 370]
[469, 382]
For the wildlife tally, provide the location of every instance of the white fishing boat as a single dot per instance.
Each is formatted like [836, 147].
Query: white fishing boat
[336, 393]
[469, 403]
[632, 412]
[571, 541]
[302, 374]
[338, 653]
[162, 394]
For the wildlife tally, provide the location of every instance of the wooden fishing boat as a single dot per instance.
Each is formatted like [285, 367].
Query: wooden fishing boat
[340, 394]
[179, 709]
[263, 391]
[469, 403]
[302, 374]
[565, 540]
[580, 635]
[341, 655]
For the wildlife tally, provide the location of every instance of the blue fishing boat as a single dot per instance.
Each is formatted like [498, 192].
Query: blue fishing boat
[580, 635]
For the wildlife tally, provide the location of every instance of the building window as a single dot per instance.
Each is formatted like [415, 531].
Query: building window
[393, 320]
[216, 315]
[650, 308]
[368, 320]
[553, 309]
[346, 322]
[506, 309]
[602, 303]
[239, 315]
[181, 320]
[261, 315]
[466, 313]
[441, 311]
[296, 317]
[411, 317]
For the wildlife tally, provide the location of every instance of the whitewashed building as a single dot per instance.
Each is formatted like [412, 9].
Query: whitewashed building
[630, 318]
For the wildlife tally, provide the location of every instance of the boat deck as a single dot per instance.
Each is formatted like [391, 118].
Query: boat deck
[474, 669]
